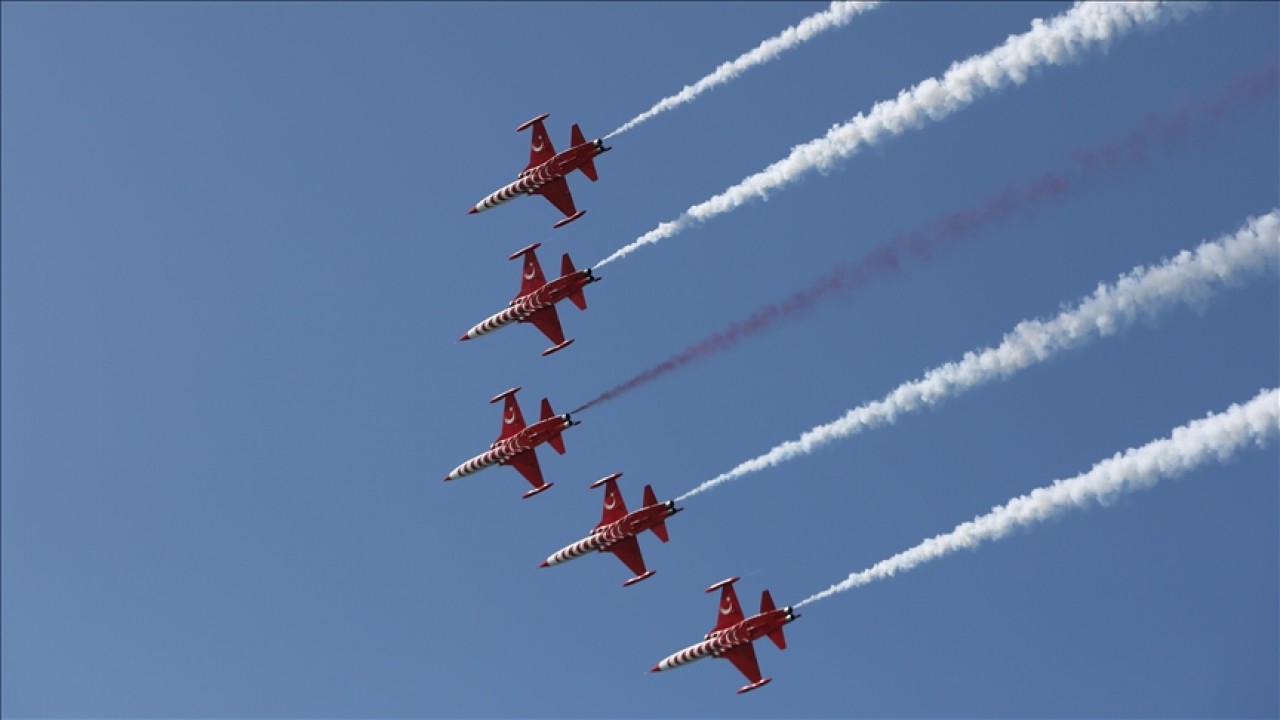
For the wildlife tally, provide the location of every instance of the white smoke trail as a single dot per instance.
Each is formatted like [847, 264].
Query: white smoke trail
[837, 15]
[1060, 40]
[1214, 437]
[1189, 277]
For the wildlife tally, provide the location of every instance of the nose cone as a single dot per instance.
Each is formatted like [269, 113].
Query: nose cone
[544, 564]
[656, 668]
[465, 336]
[473, 210]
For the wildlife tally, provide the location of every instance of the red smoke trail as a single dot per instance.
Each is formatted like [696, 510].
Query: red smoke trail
[1161, 133]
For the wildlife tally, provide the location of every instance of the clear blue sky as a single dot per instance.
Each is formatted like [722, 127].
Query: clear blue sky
[236, 260]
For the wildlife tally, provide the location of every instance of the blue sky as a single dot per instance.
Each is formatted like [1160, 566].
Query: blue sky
[236, 260]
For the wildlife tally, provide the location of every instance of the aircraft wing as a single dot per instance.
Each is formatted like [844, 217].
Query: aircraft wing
[615, 508]
[527, 463]
[557, 191]
[730, 612]
[743, 657]
[548, 321]
[512, 418]
[531, 277]
[540, 147]
[628, 551]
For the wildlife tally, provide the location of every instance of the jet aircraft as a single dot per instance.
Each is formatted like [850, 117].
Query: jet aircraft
[515, 444]
[536, 301]
[545, 174]
[617, 530]
[732, 636]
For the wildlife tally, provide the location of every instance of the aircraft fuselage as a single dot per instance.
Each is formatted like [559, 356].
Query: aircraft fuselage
[501, 452]
[528, 181]
[525, 306]
[719, 642]
[606, 536]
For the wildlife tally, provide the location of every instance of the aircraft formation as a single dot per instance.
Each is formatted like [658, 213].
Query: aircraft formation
[619, 530]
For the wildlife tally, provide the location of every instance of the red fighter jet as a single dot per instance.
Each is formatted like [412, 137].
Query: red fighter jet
[545, 174]
[536, 301]
[515, 444]
[732, 636]
[617, 530]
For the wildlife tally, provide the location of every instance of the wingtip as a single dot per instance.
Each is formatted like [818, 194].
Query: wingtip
[569, 219]
[535, 491]
[557, 348]
[643, 576]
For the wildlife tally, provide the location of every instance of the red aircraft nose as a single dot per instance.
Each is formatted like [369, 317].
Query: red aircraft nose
[473, 210]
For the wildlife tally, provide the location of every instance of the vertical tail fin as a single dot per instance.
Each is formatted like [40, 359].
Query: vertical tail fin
[576, 138]
[766, 605]
[556, 441]
[576, 297]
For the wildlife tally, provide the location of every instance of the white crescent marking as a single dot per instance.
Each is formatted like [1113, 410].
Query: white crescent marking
[511, 417]
[538, 147]
[609, 501]
[530, 275]
[728, 607]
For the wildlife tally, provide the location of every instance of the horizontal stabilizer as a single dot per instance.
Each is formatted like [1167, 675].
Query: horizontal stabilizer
[650, 498]
[766, 605]
[778, 639]
[661, 530]
[566, 268]
[557, 442]
[754, 686]
[588, 167]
